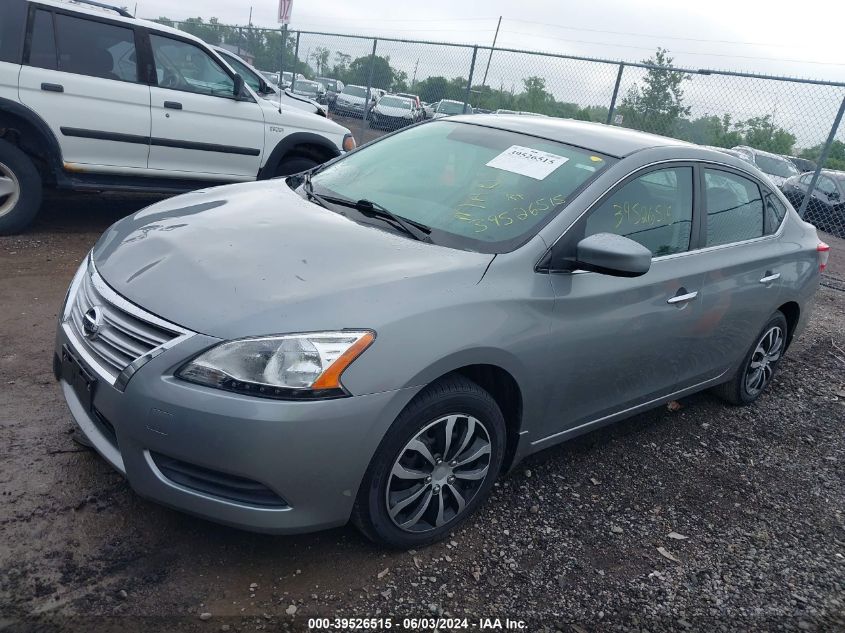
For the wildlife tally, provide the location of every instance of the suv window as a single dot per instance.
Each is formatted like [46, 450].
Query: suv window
[654, 209]
[183, 66]
[734, 208]
[806, 178]
[11, 30]
[775, 213]
[42, 50]
[85, 47]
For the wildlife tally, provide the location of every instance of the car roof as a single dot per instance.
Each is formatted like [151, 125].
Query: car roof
[111, 14]
[606, 139]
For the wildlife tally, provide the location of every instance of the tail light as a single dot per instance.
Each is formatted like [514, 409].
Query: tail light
[824, 252]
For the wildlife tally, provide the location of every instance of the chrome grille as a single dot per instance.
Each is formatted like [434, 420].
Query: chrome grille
[125, 333]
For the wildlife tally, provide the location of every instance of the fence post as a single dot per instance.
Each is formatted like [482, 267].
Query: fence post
[825, 153]
[282, 60]
[469, 81]
[295, 61]
[369, 88]
[615, 94]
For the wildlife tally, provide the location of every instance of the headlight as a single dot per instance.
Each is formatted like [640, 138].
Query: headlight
[291, 366]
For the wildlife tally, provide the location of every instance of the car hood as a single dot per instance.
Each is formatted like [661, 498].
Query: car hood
[389, 111]
[255, 258]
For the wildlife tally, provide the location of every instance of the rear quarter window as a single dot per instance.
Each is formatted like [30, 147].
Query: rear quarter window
[12, 27]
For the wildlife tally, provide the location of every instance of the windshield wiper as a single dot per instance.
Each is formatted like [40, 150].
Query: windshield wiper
[416, 230]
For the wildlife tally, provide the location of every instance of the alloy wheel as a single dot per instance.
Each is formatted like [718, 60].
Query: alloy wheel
[438, 473]
[761, 367]
[10, 189]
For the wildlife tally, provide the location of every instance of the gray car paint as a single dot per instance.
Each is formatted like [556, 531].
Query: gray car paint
[585, 349]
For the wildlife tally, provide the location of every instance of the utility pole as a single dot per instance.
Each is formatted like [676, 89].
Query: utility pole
[495, 37]
[414, 79]
[250, 16]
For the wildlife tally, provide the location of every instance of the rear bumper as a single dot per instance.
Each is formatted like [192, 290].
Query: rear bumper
[259, 464]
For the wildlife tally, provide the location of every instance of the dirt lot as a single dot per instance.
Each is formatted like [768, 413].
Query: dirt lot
[571, 541]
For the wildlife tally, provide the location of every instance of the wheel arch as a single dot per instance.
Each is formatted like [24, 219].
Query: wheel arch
[498, 373]
[792, 311]
[300, 144]
[25, 129]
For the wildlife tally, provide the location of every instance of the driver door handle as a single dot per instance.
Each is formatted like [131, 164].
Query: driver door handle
[770, 278]
[173, 105]
[682, 298]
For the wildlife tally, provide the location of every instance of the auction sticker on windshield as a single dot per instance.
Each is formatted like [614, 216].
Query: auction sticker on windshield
[527, 162]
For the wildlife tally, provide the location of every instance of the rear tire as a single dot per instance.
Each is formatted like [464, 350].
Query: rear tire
[460, 473]
[20, 189]
[759, 365]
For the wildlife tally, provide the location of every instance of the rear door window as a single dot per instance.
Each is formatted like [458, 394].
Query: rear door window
[96, 49]
[42, 50]
[11, 30]
[734, 208]
[654, 209]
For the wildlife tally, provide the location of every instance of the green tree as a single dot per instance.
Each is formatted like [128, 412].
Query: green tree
[709, 130]
[835, 159]
[321, 59]
[535, 97]
[657, 105]
[358, 72]
[761, 133]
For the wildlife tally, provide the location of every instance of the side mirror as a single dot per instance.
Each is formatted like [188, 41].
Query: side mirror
[614, 255]
[238, 88]
[833, 195]
[262, 86]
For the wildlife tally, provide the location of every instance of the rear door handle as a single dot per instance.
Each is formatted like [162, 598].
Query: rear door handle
[770, 278]
[173, 105]
[52, 87]
[682, 298]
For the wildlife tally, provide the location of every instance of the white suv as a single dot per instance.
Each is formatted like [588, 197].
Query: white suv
[93, 99]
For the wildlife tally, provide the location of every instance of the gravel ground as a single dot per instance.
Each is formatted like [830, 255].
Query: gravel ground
[704, 518]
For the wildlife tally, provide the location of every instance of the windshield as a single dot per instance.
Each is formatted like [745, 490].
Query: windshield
[330, 84]
[775, 166]
[355, 91]
[395, 102]
[305, 86]
[478, 188]
[451, 107]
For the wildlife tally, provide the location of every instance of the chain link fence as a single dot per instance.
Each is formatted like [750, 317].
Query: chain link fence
[790, 128]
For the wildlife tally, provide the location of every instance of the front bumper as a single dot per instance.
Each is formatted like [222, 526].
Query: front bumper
[389, 123]
[308, 458]
[348, 109]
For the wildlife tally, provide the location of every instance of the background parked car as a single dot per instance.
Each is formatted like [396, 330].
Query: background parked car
[428, 109]
[826, 207]
[393, 112]
[256, 80]
[351, 100]
[310, 89]
[333, 88]
[288, 78]
[415, 99]
[519, 112]
[447, 107]
[803, 164]
[776, 167]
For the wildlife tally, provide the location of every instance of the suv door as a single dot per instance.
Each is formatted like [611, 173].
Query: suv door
[81, 75]
[198, 125]
[621, 342]
[742, 285]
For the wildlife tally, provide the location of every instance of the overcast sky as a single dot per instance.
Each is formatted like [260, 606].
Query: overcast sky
[803, 39]
[798, 39]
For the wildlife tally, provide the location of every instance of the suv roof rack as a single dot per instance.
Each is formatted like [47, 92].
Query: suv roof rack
[118, 10]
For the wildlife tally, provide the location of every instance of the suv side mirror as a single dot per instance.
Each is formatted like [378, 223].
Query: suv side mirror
[238, 88]
[614, 255]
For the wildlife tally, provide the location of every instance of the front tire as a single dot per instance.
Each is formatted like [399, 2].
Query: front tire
[20, 189]
[295, 165]
[435, 466]
[759, 365]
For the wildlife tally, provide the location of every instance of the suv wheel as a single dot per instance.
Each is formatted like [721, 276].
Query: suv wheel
[435, 466]
[20, 189]
[759, 365]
